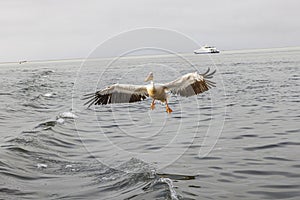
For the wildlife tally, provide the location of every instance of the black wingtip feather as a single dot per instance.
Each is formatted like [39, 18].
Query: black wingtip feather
[102, 99]
[208, 75]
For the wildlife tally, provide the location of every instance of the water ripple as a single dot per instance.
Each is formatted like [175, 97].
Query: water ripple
[269, 146]
[268, 173]
[276, 195]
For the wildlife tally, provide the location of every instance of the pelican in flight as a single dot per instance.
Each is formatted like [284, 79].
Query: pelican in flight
[188, 85]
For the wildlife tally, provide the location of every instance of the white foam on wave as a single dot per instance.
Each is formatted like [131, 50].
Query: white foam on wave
[68, 115]
[171, 187]
[68, 166]
[41, 165]
[49, 94]
[60, 120]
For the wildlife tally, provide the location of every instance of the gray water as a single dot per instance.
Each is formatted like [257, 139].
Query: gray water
[239, 140]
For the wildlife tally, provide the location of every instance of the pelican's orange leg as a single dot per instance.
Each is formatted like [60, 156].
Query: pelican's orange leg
[152, 106]
[168, 109]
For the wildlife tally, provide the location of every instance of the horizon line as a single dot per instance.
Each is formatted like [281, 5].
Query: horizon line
[136, 56]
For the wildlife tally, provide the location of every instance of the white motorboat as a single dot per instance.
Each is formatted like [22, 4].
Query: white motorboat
[206, 49]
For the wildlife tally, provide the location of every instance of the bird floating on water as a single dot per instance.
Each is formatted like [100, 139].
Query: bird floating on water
[188, 85]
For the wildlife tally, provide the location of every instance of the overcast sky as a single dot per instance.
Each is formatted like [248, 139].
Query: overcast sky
[58, 29]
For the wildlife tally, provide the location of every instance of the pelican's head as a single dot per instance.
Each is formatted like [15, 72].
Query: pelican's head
[149, 77]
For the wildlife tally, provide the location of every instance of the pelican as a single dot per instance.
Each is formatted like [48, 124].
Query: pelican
[188, 85]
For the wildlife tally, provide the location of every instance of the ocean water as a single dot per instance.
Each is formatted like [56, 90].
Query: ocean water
[240, 140]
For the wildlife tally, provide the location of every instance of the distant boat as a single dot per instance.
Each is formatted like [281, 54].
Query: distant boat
[22, 61]
[206, 49]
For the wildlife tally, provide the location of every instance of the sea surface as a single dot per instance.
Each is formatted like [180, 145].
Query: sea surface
[239, 140]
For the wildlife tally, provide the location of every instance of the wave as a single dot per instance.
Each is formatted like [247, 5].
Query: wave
[46, 156]
[268, 173]
[270, 146]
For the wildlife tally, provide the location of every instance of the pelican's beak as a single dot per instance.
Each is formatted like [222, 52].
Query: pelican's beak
[149, 77]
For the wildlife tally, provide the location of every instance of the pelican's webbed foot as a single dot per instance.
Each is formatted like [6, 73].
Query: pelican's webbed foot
[152, 106]
[168, 109]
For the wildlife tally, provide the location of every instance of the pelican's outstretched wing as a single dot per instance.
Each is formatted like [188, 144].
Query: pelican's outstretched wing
[117, 93]
[191, 84]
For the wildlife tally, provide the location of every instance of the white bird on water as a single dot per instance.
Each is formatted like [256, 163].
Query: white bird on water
[188, 85]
